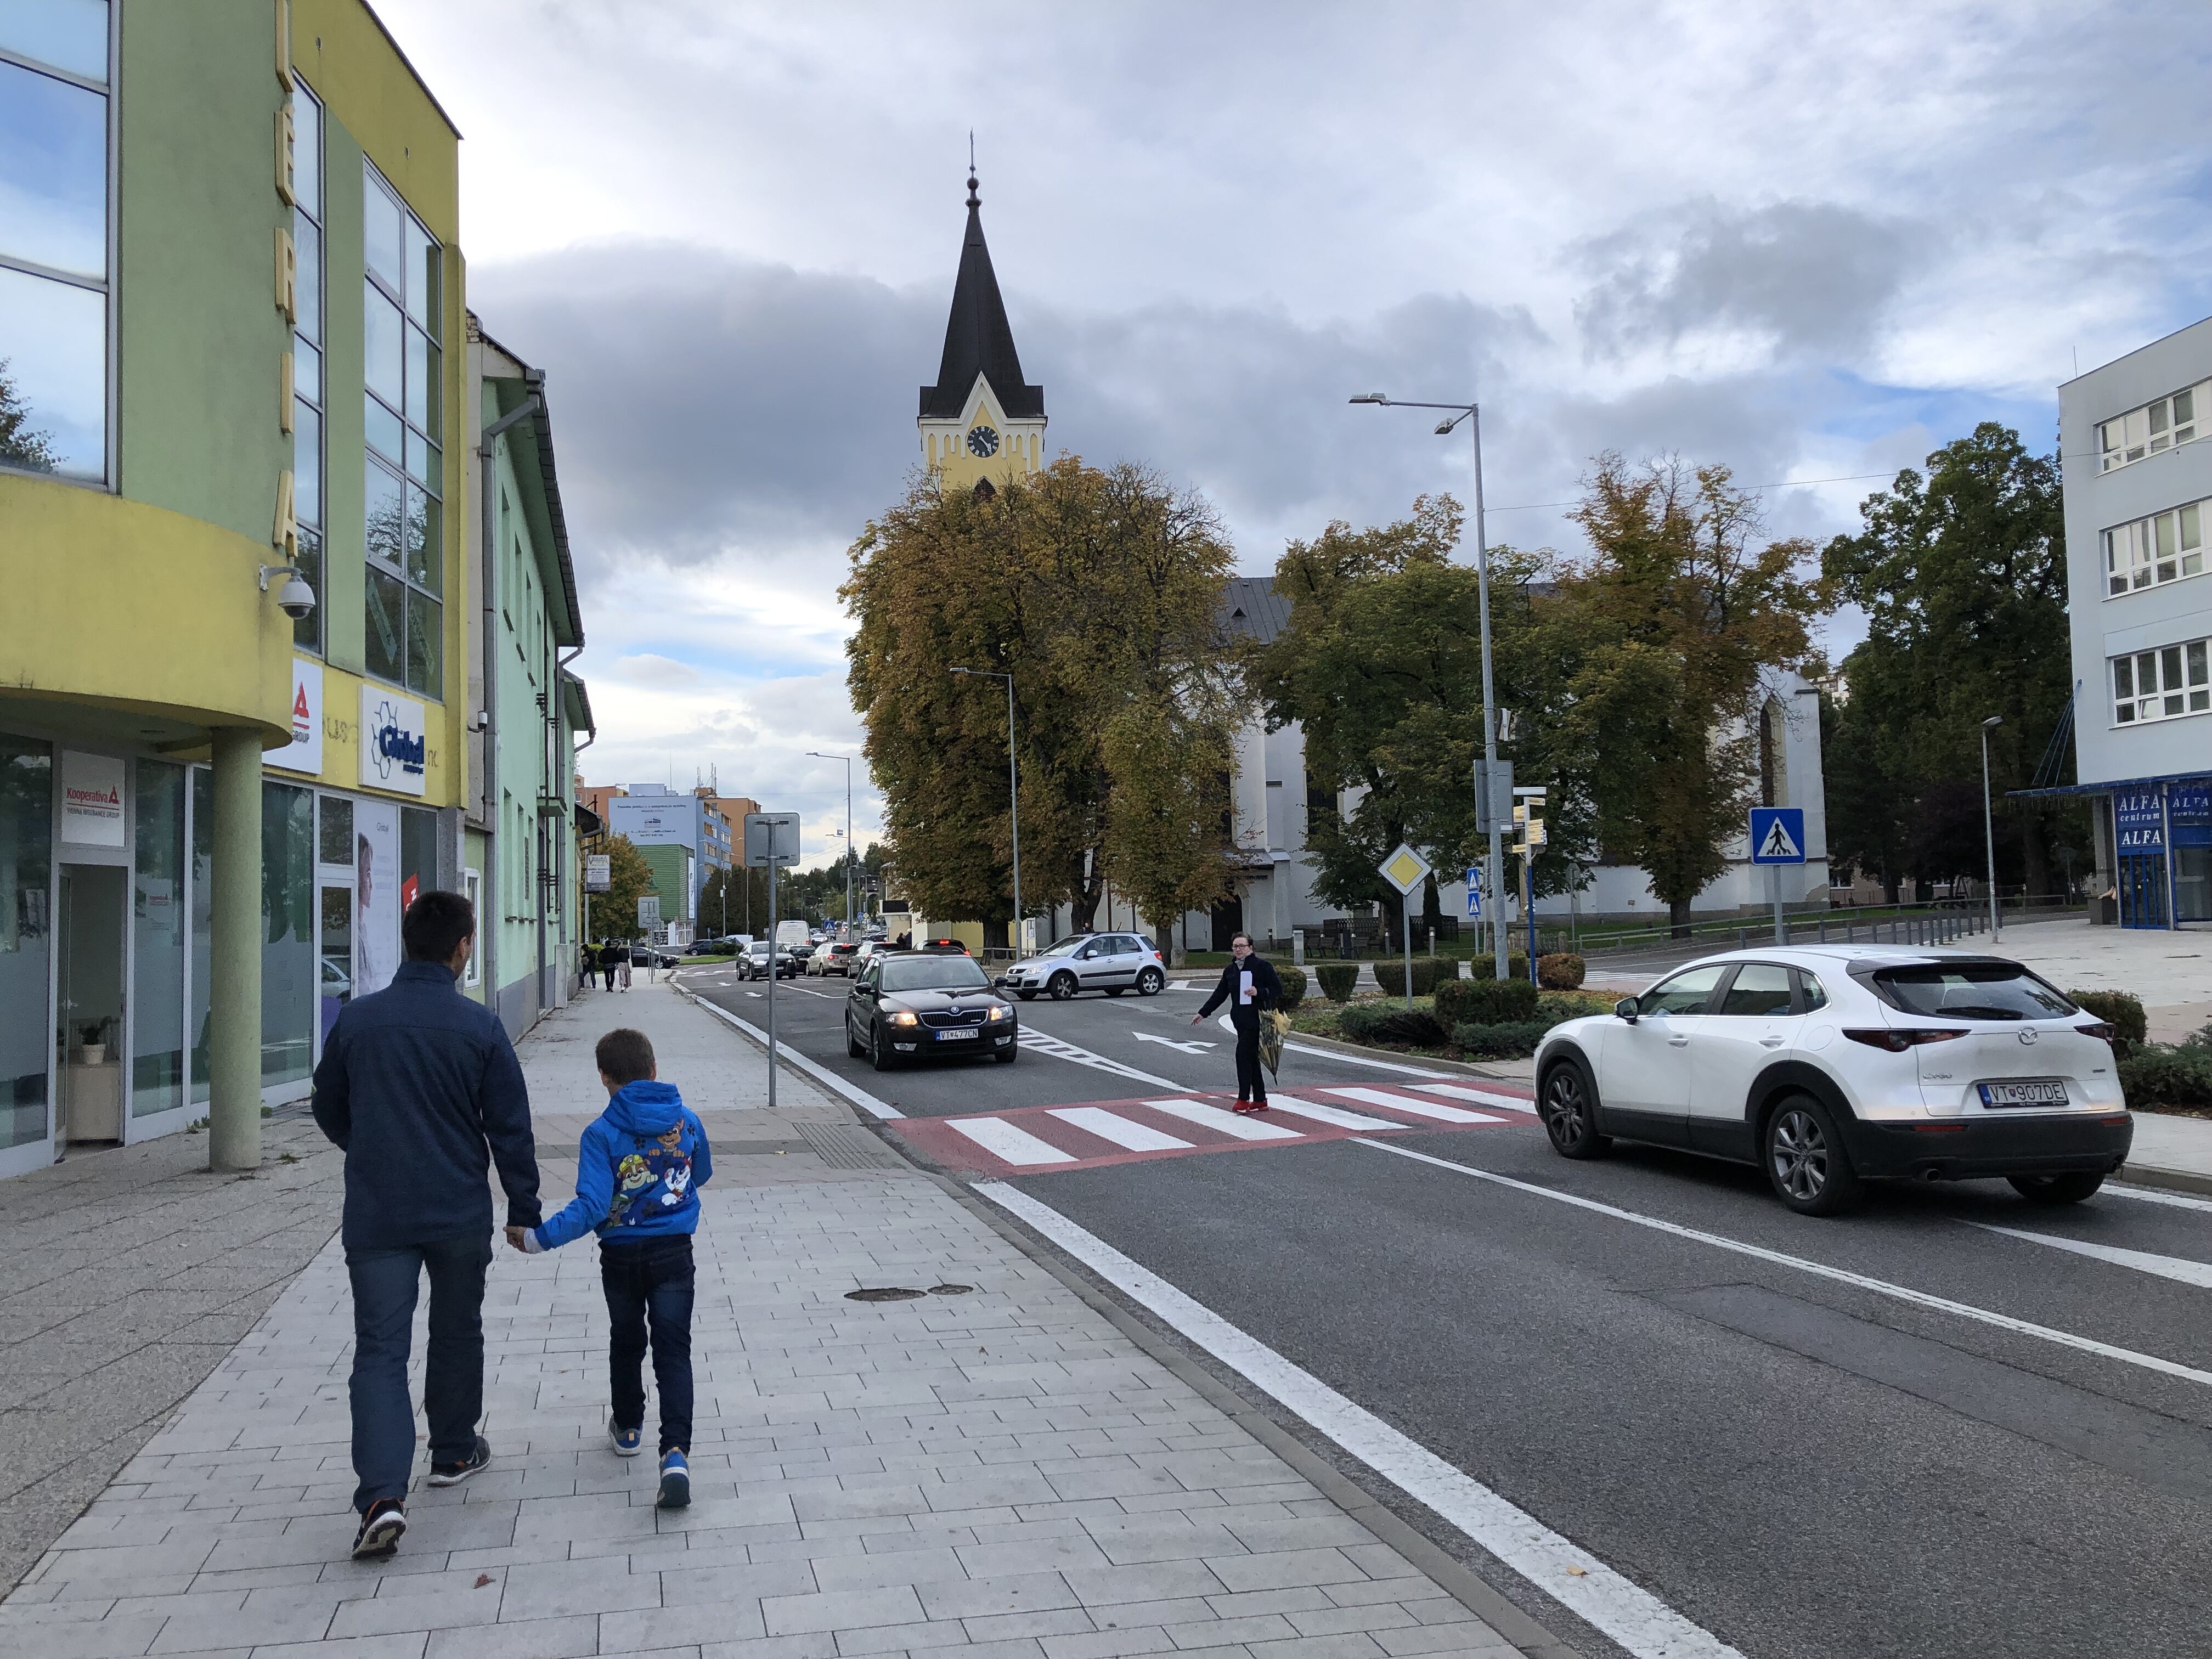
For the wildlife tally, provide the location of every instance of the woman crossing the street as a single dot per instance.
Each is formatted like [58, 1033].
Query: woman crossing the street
[1250, 988]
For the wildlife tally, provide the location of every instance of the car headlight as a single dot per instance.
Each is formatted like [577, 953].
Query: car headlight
[904, 1018]
[999, 1011]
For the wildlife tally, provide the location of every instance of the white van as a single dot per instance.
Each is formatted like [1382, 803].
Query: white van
[791, 933]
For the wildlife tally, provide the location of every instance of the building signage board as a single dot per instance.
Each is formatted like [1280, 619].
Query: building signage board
[377, 906]
[2189, 809]
[306, 754]
[598, 873]
[652, 826]
[92, 800]
[2139, 820]
[394, 749]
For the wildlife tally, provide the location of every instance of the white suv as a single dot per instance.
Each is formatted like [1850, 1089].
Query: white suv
[1833, 1064]
[1112, 962]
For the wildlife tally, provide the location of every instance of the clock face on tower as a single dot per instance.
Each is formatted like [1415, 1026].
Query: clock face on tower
[982, 440]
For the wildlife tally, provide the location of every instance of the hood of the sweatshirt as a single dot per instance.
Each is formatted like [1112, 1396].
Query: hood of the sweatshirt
[645, 1108]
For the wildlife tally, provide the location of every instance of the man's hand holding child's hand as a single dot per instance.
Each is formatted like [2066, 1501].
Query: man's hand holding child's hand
[521, 1238]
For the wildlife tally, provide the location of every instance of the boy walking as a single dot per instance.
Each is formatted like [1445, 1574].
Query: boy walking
[639, 1169]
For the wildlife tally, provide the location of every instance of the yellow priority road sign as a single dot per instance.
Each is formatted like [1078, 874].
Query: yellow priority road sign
[1405, 869]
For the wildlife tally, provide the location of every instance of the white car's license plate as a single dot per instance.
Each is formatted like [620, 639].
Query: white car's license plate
[2023, 1094]
[955, 1037]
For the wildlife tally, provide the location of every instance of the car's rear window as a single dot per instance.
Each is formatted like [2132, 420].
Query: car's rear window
[1993, 990]
[945, 973]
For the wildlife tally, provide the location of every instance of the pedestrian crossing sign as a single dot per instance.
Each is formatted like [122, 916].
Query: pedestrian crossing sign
[1777, 834]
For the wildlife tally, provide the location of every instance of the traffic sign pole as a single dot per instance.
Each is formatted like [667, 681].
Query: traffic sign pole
[1774, 881]
[1778, 837]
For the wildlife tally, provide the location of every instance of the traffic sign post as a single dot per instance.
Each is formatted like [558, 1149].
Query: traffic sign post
[1778, 837]
[1475, 892]
[1528, 837]
[1406, 870]
[771, 843]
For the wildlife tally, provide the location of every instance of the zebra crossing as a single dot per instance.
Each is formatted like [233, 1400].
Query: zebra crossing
[1044, 1140]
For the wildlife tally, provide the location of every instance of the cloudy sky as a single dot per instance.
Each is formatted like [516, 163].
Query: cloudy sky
[1810, 242]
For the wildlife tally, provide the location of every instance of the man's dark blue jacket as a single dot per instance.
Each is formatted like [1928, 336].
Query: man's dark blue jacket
[415, 1080]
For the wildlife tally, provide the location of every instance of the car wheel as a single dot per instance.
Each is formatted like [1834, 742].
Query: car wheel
[880, 1051]
[1567, 1104]
[2069, 1188]
[1006, 1055]
[1061, 987]
[1806, 1161]
[853, 1044]
[1151, 982]
[1026, 996]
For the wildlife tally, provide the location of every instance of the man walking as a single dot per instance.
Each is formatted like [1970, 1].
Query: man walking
[421, 1087]
[1249, 986]
[607, 961]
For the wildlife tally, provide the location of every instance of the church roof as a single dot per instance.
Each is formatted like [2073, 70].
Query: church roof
[1252, 608]
[977, 337]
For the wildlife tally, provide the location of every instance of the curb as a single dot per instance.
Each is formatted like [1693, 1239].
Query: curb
[2179, 1181]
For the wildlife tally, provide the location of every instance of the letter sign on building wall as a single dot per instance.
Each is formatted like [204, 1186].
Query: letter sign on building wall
[306, 754]
[390, 740]
[92, 800]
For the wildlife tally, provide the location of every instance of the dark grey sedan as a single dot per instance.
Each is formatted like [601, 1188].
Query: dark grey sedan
[918, 1005]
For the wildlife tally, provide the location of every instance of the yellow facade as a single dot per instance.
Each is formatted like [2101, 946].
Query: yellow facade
[949, 449]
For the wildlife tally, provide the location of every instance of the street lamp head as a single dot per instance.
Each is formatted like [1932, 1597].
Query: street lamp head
[1993, 722]
[1370, 398]
[1444, 427]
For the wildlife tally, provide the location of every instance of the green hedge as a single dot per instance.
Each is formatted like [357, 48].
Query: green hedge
[1373, 1021]
[1486, 1001]
[1337, 979]
[1515, 1041]
[1485, 966]
[1426, 971]
[2123, 1012]
[2155, 1075]
[1294, 986]
[1560, 971]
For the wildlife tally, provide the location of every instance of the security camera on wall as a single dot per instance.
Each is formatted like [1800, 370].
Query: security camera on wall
[295, 598]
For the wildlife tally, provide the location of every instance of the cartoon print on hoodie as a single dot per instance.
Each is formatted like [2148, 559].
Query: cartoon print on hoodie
[639, 1169]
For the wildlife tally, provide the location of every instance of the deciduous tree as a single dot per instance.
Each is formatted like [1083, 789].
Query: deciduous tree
[613, 914]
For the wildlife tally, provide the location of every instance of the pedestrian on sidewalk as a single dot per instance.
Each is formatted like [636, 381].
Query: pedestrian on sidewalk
[639, 1169]
[622, 966]
[607, 961]
[420, 1088]
[587, 961]
[1250, 988]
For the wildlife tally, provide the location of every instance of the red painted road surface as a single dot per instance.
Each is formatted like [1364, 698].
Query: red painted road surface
[1044, 1140]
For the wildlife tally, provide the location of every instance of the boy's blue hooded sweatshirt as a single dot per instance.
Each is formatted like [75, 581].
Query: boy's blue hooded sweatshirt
[639, 1169]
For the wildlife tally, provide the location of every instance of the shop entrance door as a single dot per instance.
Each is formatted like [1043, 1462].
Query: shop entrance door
[2143, 892]
[90, 980]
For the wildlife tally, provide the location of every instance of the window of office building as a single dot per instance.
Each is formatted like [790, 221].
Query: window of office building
[2158, 425]
[404, 615]
[54, 128]
[2163, 547]
[2161, 684]
[307, 503]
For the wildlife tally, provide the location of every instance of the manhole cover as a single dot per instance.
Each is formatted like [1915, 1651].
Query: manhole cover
[950, 1289]
[884, 1293]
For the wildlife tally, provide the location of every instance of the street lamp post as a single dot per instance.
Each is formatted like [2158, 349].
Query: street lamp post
[1989, 823]
[1013, 796]
[1471, 413]
[848, 759]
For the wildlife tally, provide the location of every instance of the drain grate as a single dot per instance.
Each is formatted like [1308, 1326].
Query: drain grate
[849, 1146]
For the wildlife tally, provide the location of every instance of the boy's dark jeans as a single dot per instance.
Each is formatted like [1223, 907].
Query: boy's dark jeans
[648, 1286]
[386, 1283]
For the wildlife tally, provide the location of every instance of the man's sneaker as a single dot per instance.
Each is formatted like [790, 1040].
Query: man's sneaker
[380, 1527]
[675, 1481]
[628, 1442]
[451, 1475]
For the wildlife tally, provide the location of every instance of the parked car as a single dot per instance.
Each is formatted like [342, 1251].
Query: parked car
[708, 947]
[652, 956]
[832, 958]
[1112, 962]
[753, 962]
[1829, 1067]
[911, 1005]
[803, 950]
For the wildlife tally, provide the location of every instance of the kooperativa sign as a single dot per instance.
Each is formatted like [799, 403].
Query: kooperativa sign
[92, 800]
[392, 746]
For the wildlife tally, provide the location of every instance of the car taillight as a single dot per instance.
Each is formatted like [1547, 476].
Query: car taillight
[1898, 1040]
[2099, 1029]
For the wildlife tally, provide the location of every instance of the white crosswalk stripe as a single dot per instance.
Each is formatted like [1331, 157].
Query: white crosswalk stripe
[1418, 1108]
[1227, 1123]
[1122, 1131]
[2166, 1266]
[1333, 1115]
[1004, 1141]
[1480, 1097]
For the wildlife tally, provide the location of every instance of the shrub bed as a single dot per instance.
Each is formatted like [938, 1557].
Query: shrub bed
[1337, 979]
[1517, 1041]
[2119, 1010]
[1560, 971]
[1373, 1021]
[1486, 1001]
[1294, 986]
[1485, 966]
[1390, 974]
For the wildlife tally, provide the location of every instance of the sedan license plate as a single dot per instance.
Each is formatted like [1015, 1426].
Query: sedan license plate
[2023, 1094]
[957, 1036]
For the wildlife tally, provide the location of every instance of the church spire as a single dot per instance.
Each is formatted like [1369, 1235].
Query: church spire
[978, 340]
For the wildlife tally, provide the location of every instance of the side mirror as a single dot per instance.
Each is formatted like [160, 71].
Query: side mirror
[1625, 1008]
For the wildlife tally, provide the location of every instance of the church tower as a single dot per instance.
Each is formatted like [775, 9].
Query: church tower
[981, 424]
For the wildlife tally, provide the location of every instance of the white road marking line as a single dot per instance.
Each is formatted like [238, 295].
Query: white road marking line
[1320, 1114]
[1227, 1123]
[1820, 1269]
[1630, 1615]
[756, 994]
[1230, 1026]
[2179, 1200]
[1418, 1108]
[1003, 1140]
[1060, 1049]
[822, 1074]
[2166, 1266]
[1122, 1131]
[1480, 1097]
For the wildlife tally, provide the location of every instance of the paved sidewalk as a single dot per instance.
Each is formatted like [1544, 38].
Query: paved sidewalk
[2170, 1151]
[989, 1467]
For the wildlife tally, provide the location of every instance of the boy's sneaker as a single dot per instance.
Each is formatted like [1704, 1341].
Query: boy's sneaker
[675, 1481]
[628, 1442]
[451, 1475]
[379, 1537]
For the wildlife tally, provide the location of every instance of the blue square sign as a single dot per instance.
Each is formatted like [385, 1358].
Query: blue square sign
[1777, 834]
[1473, 892]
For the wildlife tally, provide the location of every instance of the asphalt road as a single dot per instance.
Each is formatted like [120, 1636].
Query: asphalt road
[1976, 1461]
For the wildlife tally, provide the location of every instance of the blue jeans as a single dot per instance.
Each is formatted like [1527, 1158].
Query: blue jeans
[649, 1287]
[385, 1285]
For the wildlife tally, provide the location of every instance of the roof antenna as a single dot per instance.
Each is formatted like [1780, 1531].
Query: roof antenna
[974, 200]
